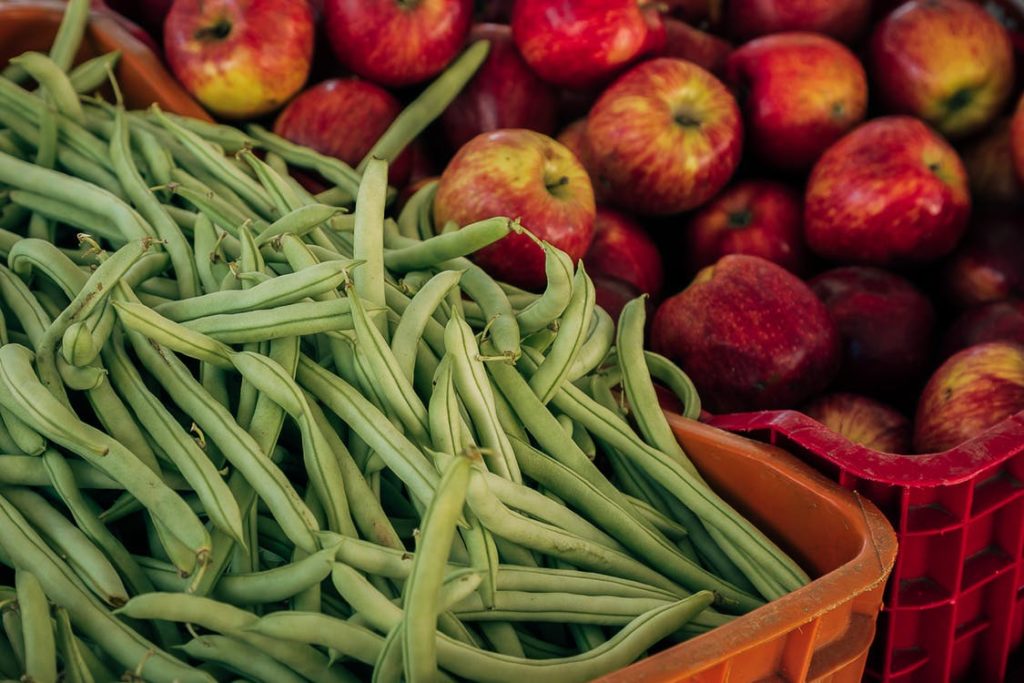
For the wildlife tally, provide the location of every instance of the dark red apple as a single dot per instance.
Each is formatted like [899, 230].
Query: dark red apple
[948, 62]
[613, 294]
[664, 138]
[754, 217]
[504, 93]
[240, 58]
[704, 49]
[397, 42]
[891, 191]
[842, 19]
[581, 44]
[622, 249]
[750, 334]
[1017, 139]
[990, 167]
[343, 117]
[523, 175]
[989, 266]
[973, 390]
[885, 324]
[996, 321]
[863, 421]
[800, 92]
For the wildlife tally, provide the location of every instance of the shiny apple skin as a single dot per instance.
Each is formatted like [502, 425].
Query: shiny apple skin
[975, 389]
[891, 191]
[996, 321]
[258, 66]
[800, 92]
[754, 217]
[862, 421]
[990, 166]
[948, 62]
[886, 326]
[750, 334]
[704, 49]
[581, 44]
[844, 20]
[623, 249]
[397, 43]
[989, 265]
[523, 175]
[342, 117]
[663, 138]
[504, 93]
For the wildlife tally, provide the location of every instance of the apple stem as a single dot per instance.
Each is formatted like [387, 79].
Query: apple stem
[218, 31]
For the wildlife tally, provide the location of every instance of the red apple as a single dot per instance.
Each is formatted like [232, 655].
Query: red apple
[990, 264]
[975, 389]
[996, 321]
[885, 324]
[800, 92]
[990, 167]
[622, 249]
[504, 93]
[1017, 139]
[613, 294]
[750, 334]
[948, 62]
[891, 191]
[754, 217]
[343, 117]
[526, 175]
[580, 44]
[130, 15]
[397, 42]
[841, 19]
[664, 138]
[863, 421]
[240, 58]
[704, 49]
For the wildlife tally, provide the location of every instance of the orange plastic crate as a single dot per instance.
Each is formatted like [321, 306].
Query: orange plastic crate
[821, 632]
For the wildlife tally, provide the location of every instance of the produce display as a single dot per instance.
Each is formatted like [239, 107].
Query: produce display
[362, 377]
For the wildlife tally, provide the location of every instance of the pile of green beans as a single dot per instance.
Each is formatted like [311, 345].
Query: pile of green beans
[249, 433]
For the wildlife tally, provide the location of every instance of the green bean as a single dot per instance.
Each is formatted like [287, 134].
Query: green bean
[331, 168]
[40, 648]
[557, 608]
[160, 165]
[25, 470]
[230, 620]
[351, 640]
[671, 529]
[596, 347]
[434, 99]
[69, 35]
[61, 212]
[76, 670]
[669, 374]
[27, 550]
[448, 431]
[27, 440]
[368, 246]
[305, 318]
[229, 138]
[214, 207]
[93, 73]
[15, 634]
[279, 291]
[151, 209]
[409, 217]
[299, 222]
[241, 658]
[52, 77]
[16, 294]
[175, 336]
[89, 562]
[550, 305]
[554, 370]
[472, 383]
[438, 249]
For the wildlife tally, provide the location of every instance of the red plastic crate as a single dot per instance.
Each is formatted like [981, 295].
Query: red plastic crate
[954, 605]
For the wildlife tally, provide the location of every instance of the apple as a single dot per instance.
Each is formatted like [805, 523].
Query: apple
[504, 93]
[704, 49]
[750, 335]
[990, 167]
[948, 62]
[885, 324]
[844, 20]
[622, 249]
[754, 217]
[663, 138]
[1017, 140]
[800, 92]
[890, 191]
[612, 294]
[240, 58]
[580, 44]
[863, 421]
[343, 117]
[524, 175]
[996, 321]
[990, 264]
[973, 390]
[397, 42]
[144, 20]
